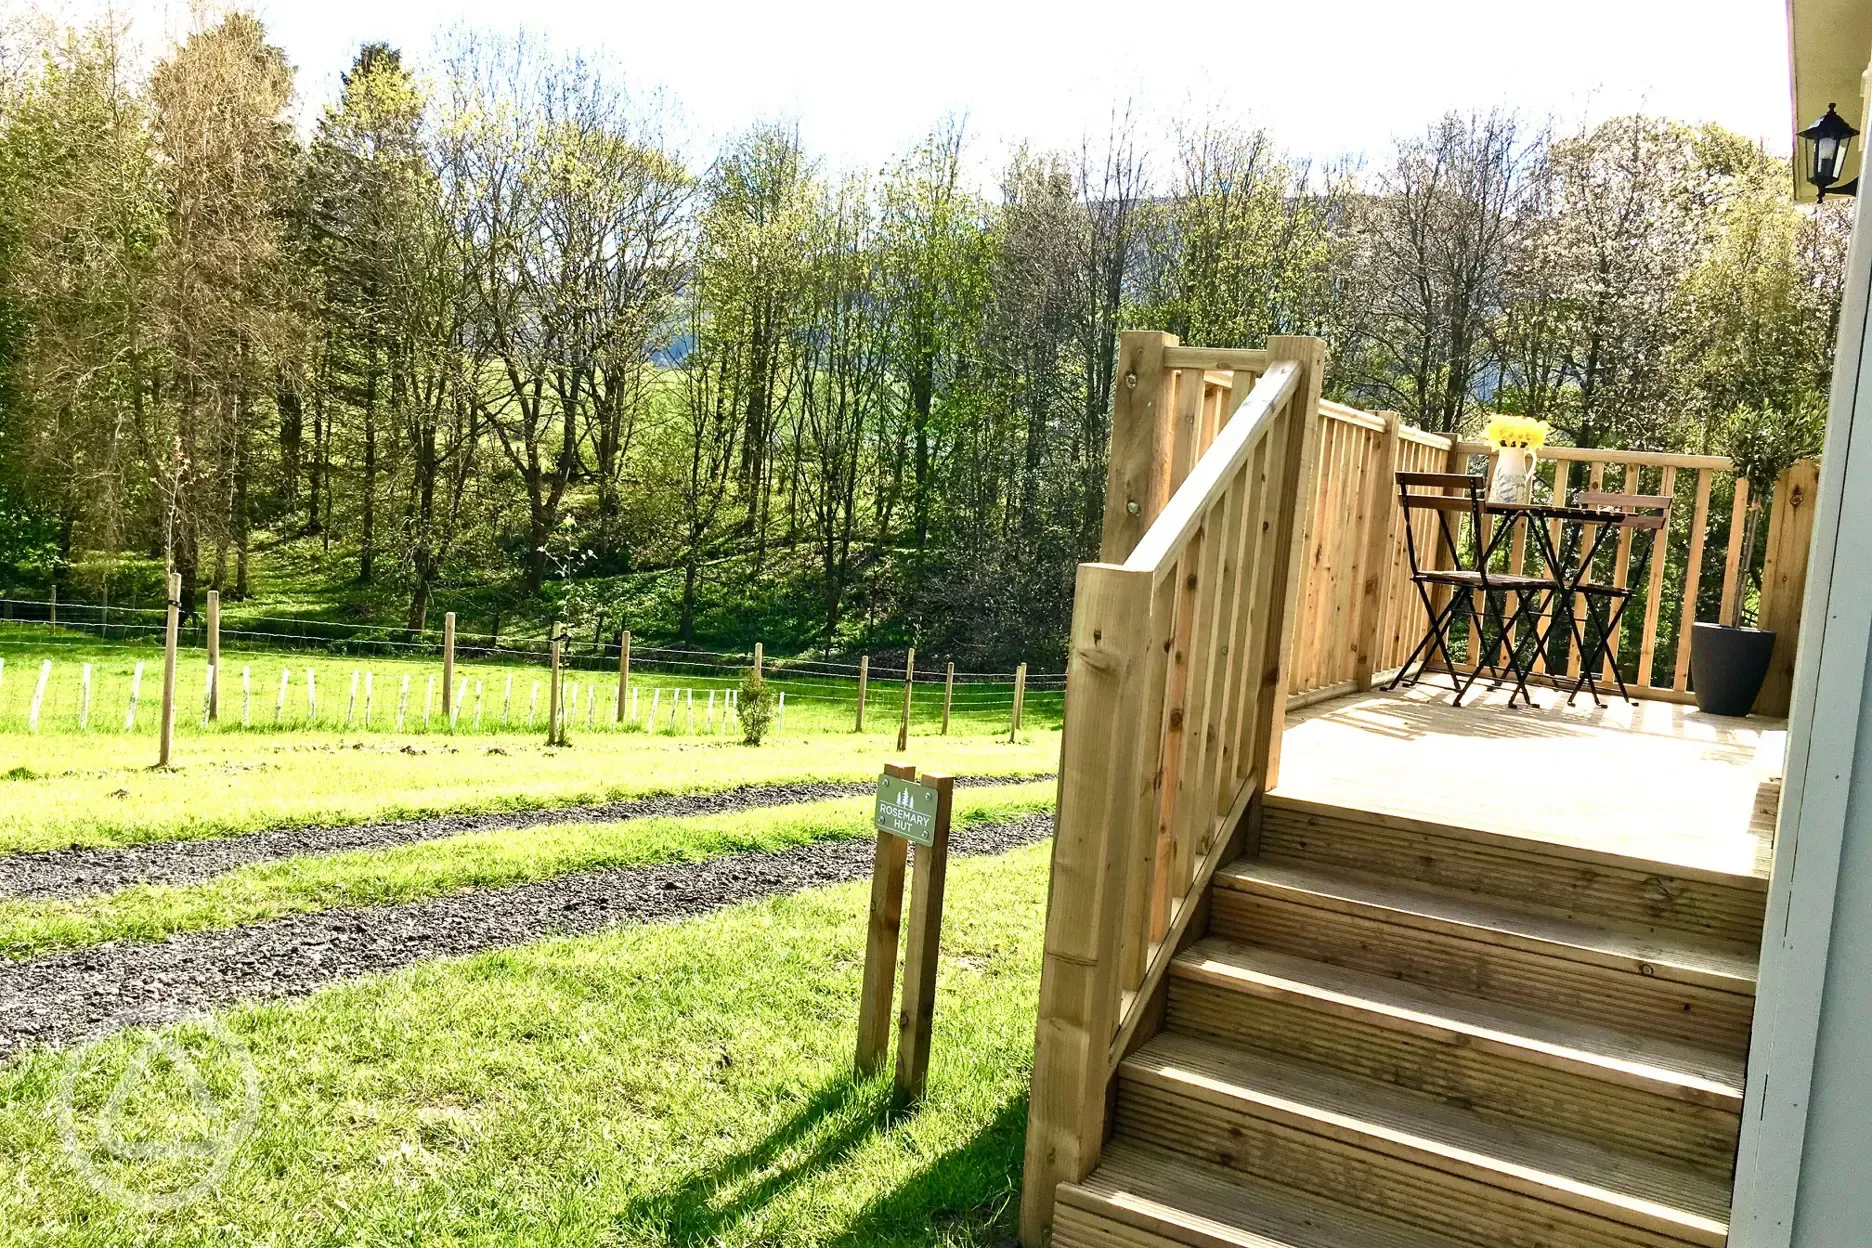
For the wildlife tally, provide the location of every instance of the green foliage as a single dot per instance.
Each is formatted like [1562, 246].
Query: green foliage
[755, 706]
[1764, 442]
[491, 342]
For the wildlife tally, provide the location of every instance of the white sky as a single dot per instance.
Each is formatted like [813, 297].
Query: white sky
[866, 80]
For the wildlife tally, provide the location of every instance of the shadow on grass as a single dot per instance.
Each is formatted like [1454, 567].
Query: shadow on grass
[969, 1195]
[965, 1196]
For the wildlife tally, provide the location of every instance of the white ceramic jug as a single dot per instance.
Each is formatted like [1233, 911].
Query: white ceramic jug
[1514, 476]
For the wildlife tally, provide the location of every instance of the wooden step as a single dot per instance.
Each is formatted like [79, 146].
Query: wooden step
[1408, 1158]
[1565, 881]
[1666, 984]
[1141, 1195]
[1673, 1100]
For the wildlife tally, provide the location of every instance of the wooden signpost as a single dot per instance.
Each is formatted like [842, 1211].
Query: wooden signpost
[907, 813]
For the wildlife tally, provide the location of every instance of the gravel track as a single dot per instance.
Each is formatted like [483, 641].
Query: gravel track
[91, 992]
[78, 871]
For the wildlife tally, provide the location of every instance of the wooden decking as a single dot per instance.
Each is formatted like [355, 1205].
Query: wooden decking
[1655, 780]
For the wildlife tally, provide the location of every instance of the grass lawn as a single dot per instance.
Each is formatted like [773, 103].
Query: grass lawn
[488, 859]
[404, 694]
[99, 789]
[680, 1084]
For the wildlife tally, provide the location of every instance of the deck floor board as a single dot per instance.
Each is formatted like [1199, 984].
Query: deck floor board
[1655, 780]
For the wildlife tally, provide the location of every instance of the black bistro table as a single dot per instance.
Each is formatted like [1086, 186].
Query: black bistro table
[1569, 539]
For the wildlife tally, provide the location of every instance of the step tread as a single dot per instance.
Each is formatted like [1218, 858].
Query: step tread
[1752, 881]
[1192, 1202]
[1626, 1188]
[1665, 1066]
[1671, 956]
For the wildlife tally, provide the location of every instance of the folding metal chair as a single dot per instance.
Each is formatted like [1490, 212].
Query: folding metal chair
[1605, 604]
[1459, 494]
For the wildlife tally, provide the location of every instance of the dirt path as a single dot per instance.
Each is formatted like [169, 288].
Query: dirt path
[75, 872]
[90, 992]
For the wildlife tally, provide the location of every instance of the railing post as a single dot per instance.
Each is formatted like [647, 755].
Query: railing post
[1294, 503]
[1105, 777]
[1381, 514]
[1137, 474]
[1784, 579]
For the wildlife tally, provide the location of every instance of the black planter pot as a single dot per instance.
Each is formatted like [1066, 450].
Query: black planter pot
[1728, 665]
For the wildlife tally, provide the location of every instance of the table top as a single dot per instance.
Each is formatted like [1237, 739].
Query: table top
[1551, 511]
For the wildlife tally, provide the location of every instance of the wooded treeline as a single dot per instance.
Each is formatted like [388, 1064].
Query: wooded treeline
[488, 336]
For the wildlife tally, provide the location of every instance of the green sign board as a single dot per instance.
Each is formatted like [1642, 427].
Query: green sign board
[907, 809]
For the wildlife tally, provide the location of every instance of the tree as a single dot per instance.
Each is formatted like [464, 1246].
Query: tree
[368, 183]
[1436, 248]
[221, 128]
[81, 222]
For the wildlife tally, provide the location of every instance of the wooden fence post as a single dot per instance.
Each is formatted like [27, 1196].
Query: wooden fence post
[760, 660]
[624, 640]
[1020, 695]
[1784, 580]
[214, 652]
[1137, 475]
[948, 695]
[903, 720]
[448, 668]
[52, 613]
[552, 697]
[916, 1018]
[881, 934]
[864, 681]
[166, 736]
[1293, 522]
[1105, 780]
[1381, 515]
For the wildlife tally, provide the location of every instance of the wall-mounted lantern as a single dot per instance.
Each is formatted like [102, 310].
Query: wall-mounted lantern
[1827, 141]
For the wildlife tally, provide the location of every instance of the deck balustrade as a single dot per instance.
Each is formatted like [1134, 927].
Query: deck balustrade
[1252, 559]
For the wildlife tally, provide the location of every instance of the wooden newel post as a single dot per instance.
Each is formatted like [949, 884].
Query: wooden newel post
[864, 681]
[1381, 512]
[167, 736]
[624, 640]
[214, 653]
[948, 695]
[903, 720]
[448, 667]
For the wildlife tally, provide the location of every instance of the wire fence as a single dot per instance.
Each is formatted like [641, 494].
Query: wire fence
[86, 668]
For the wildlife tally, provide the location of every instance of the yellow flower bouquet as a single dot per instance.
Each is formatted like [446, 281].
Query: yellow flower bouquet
[1517, 431]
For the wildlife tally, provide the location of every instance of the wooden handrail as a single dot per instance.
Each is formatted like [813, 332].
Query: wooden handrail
[1228, 359]
[1171, 531]
[1175, 695]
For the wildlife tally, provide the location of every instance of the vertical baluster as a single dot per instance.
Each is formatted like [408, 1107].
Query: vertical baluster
[1693, 581]
[1654, 583]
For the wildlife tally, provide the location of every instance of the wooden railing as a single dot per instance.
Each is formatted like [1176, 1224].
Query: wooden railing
[1359, 608]
[1176, 687]
[1360, 617]
[1253, 557]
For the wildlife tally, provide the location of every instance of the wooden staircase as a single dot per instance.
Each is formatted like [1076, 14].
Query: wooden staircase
[1397, 1034]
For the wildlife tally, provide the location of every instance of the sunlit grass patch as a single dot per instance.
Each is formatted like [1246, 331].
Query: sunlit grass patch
[665, 1084]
